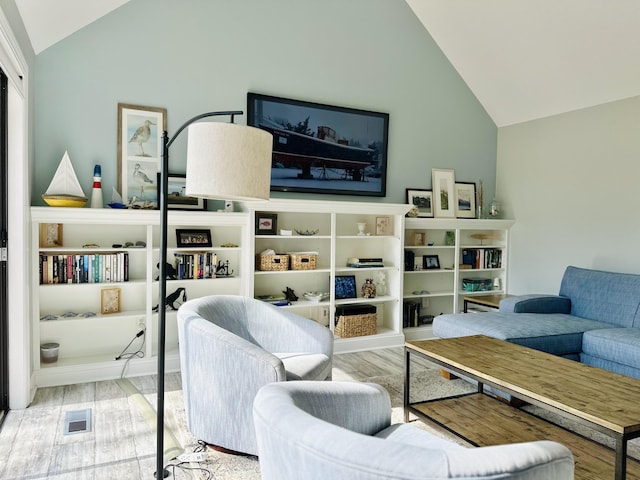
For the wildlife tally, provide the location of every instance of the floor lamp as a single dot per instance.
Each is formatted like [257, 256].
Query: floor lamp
[224, 161]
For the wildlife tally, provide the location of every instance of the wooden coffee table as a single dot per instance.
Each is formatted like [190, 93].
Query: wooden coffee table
[602, 400]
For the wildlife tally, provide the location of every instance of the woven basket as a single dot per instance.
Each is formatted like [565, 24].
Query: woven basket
[272, 262]
[357, 325]
[303, 261]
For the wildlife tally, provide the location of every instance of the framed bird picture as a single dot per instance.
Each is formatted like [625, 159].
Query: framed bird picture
[139, 154]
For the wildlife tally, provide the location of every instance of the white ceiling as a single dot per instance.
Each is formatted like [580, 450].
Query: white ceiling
[523, 59]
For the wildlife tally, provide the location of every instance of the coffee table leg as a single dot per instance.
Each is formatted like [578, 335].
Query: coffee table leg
[407, 362]
[621, 457]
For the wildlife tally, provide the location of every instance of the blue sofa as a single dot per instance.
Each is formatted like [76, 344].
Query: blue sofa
[595, 319]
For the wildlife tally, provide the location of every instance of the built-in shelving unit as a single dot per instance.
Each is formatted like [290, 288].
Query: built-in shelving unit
[337, 240]
[471, 256]
[68, 310]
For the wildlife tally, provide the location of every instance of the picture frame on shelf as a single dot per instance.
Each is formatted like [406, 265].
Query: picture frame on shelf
[444, 195]
[176, 198]
[430, 262]
[419, 239]
[384, 226]
[139, 153]
[465, 199]
[193, 237]
[110, 300]
[345, 287]
[319, 148]
[422, 200]
[50, 235]
[266, 223]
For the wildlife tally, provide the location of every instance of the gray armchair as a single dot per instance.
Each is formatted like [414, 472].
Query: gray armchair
[342, 431]
[230, 346]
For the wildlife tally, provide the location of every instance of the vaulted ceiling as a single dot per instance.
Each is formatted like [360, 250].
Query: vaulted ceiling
[523, 59]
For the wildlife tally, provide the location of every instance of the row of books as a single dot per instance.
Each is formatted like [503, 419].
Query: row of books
[412, 317]
[80, 268]
[195, 266]
[482, 258]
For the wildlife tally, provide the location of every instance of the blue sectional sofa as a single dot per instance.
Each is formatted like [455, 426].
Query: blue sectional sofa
[595, 319]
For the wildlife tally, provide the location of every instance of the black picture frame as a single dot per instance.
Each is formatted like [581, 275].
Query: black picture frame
[430, 262]
[193, 238]
[176, 199]
[422, 200]
[345, 287]
[266, 223]
[319, 148]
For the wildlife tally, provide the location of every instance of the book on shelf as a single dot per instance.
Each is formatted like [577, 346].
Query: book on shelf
[277, 300]
[357, 262]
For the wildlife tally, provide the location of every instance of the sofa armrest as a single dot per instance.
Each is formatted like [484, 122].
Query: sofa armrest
[536, 303]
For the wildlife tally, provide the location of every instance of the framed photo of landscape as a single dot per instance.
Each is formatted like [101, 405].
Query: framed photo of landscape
[422, 200]
[320, 148]
[176, 198]
[443, 183]
[465, 199]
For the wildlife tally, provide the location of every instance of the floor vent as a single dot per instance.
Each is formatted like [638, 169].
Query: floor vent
[77, 421]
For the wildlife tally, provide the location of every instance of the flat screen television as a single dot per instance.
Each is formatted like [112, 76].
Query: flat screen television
[321, 148]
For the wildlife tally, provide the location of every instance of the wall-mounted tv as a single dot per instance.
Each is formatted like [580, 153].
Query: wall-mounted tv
[321, 148]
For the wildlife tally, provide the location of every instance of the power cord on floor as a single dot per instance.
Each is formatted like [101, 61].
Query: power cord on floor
[186, 465]
[129, 355]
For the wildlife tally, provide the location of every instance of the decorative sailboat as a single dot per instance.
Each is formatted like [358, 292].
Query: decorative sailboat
[116, 199]
[64, 189]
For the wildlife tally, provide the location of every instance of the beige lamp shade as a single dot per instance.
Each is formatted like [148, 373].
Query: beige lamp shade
[228, 161]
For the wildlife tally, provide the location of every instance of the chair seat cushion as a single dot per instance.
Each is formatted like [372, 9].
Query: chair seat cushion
[555, 333]
[619, 345]
[410, 435]
[305, 366]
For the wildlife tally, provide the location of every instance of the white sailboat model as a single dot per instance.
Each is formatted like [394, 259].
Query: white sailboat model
[64, 189]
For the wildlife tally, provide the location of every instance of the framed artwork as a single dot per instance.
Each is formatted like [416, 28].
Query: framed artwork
[419, 239]
[187, 238]
[384, 226]
[110, 300]
[176, 198]
[50, 235]
[346, 287]
[266, 223]
[443, 183]
[465, 199]
[320, 148]
[139, 153]
[422, 200]
[430, 262]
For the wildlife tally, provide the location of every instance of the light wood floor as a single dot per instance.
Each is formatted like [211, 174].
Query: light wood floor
[121, 444]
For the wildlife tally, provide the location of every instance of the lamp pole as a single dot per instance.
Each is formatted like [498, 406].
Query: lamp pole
[162, 280]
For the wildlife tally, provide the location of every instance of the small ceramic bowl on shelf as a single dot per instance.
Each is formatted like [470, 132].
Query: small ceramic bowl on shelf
[306, 232]
[315, 297]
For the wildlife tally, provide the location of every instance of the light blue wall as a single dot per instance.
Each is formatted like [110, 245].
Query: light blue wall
[193, 56]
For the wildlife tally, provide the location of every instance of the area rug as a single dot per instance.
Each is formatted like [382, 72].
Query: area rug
[427, 383]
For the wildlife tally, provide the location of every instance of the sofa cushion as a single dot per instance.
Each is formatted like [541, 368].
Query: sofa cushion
[410, 435]
[603, 296]
[558, 334]
[305, 366]
[609, 365]
[619, 345]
